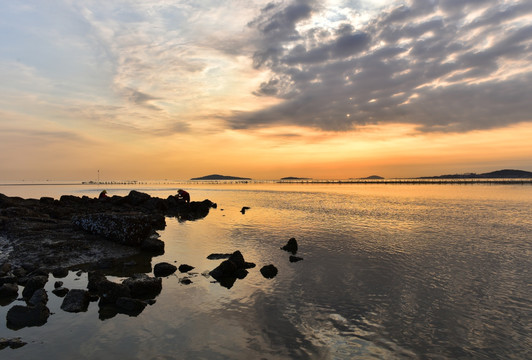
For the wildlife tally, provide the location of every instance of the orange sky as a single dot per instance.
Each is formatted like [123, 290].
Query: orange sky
[170, 90]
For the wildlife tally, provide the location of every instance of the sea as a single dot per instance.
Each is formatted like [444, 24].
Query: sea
[389, 271]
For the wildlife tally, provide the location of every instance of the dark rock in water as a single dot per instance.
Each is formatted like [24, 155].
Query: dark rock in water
[295, 258]
[128, 229]
[58, 284]
[94, 279]
[185, 281]
[8, 293]
[185, 268]
[243, 211]
[14, 343]
[19, 316]
[153, 246]
[8, 280]
[268, 271]
[129, 306]
[60, 292]
[249, 265]
[33, 284]
[291, 246]
[60, 272]
[229, 270]
[110, 291]
[39, 297]
[164, 269]
[143, 287]
[218, 256]
[76, 300]
[5, 269]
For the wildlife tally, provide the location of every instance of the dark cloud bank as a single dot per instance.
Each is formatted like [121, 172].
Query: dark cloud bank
[447, 65]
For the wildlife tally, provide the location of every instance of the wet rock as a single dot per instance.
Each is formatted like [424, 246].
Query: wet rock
[94, 279]
[39, 297]
[129, 306]
[185, 268]
[185, 281]
[269, 271]
[58, 284]
[136, 198]
[8, 291]
[295, 258]
[153, 246]
[60, 292]
[229, 270]
[218, 256]
[60, 272]
[19, 316]
[128, 229]
[143, 286]
[14, 343]
[8, 280]
[243, 210]
[5, 269]
[34, 283]
[291, 246]
[76, 300]
[164, 269]
[110, 291]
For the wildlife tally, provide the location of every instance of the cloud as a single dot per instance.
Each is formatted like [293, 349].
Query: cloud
[444, 65]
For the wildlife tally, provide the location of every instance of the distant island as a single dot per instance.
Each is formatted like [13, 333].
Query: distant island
[220, 177]
[373, 177]
[499, 174]
[295, 178]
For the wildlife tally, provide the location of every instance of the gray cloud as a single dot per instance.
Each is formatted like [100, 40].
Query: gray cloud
[424, 62]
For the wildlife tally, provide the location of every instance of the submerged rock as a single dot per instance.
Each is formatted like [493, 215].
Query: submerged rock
[14, 343]
[183, 268]
[129, 306]
[295, 258]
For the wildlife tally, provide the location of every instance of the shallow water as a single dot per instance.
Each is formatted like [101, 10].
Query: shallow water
[389, 271]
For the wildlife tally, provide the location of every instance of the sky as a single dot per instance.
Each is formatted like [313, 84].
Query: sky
[165, 89]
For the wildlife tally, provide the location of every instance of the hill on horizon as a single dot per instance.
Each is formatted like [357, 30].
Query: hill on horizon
[499, 174]
[220, 177]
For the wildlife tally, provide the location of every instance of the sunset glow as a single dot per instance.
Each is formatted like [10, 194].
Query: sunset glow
[320, 89]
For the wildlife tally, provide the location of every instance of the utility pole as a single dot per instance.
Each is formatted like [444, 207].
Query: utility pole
[98, 177]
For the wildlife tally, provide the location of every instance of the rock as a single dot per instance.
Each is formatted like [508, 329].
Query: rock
[110, 291]
[229, 270]
[94, 279]
[14, 343]
[268, 271]
[164, 269]
[142, 286]
[58, 284]
[218, 256]
[243, 210]
[5, 269]
[295, 258]
[136, 198]
[8, 280]
[33, 284]
[39, 297]
[185, 281]
[60, 292]
[291, 246]
[185, 268]
[76, 300]
[19, 316]
[128, 229]
[60, 273]
[9, 291]
[129, 306]
[153, 246]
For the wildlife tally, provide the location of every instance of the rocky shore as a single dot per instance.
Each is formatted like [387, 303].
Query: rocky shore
[47, 233]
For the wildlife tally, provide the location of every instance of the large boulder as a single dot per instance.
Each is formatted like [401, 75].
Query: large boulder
[110, 291]
[231, 269]
[34, 283]
[125, 228]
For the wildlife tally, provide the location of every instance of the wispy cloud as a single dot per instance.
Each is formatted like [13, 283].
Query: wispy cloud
[442, 65]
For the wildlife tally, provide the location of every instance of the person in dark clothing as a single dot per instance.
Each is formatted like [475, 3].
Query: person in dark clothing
[103, 195]
[183, 195]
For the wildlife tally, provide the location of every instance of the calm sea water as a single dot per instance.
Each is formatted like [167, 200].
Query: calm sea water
[389, 272]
